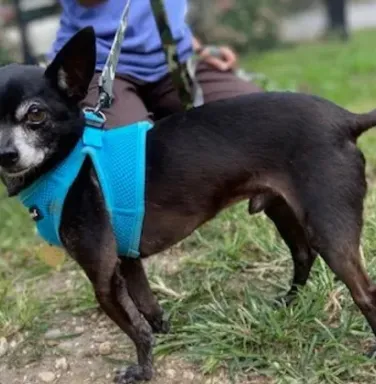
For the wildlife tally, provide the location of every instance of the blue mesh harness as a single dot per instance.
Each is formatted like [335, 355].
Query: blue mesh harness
[118, 156]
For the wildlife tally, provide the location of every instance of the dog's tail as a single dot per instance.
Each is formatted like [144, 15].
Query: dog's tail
[363, 122]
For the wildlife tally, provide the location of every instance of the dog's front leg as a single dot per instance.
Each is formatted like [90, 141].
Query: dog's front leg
[87, 235]
[102, 266]
[138, 329]
[139, 289]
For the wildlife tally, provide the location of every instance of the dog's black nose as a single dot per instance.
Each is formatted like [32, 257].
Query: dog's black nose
[8, 157]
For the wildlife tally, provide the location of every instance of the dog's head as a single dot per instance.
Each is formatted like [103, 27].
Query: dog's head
[40, 120]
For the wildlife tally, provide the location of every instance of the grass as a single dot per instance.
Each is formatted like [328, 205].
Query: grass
[221, 299]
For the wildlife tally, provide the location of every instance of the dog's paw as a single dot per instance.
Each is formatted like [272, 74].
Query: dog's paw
[133, 374]
[160, 324]
[371, 353]
[284, 301]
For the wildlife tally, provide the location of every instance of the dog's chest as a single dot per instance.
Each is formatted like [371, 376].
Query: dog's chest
[118, 158]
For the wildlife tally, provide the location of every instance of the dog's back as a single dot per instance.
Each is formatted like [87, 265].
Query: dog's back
[257, 126]
[234, 149]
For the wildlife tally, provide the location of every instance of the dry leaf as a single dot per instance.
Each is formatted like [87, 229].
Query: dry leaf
[52, 256]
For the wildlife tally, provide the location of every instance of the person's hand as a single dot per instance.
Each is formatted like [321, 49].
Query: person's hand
[222, 58]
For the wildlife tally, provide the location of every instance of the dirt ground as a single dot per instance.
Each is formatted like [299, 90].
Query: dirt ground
[89, 349]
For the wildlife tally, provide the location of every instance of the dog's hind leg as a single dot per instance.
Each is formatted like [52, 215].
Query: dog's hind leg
[345, 262]
[334, 210]
[142, 295]
[344, 259]
[337, 239]
[295, 238]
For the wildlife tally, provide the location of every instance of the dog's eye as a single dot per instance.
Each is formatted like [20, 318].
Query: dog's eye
[35, 115]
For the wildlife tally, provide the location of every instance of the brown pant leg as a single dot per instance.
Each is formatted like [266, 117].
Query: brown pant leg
[217, 85]
[127, 106]
[162, 99]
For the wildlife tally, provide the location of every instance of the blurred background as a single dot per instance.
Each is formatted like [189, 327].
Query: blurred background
[28, 26]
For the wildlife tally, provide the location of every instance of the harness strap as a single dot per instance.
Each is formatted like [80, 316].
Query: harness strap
[119, 160]
[45, 197]
[123, 191]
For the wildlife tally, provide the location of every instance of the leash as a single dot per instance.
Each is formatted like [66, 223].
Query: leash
[106, 79]
[182, 74]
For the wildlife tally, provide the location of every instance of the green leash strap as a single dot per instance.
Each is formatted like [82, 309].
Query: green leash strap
[182, 76]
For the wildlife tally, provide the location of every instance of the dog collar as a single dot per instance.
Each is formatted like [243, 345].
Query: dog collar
[119, 158]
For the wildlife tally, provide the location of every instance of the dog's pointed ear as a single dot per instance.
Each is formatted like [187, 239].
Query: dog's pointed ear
[73, 67]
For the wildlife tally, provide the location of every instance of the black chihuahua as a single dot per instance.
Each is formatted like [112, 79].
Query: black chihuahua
[293, 156]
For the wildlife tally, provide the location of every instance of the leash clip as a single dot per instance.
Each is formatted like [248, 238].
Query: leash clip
[94, 118]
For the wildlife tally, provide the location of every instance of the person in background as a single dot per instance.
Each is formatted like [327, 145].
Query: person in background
[143, 84]
[337, 18]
